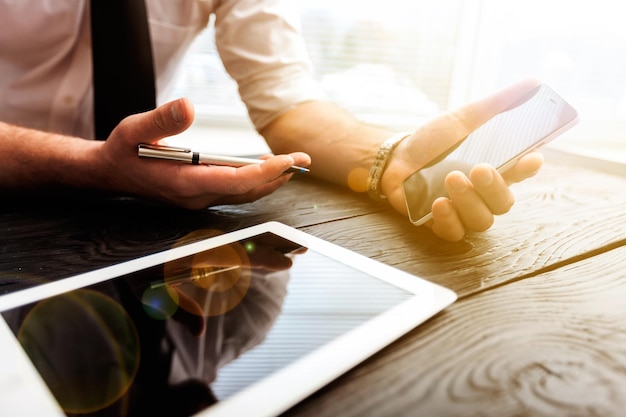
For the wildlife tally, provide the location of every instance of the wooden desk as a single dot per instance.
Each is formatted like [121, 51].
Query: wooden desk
[539, 327]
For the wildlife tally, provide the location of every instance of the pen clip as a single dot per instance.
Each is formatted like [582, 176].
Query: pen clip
[163, 148]
[145, 150]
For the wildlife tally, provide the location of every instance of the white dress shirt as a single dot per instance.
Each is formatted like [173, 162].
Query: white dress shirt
[45, 57]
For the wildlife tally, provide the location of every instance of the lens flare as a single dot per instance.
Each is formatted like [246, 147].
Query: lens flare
[214, 281]
[160, 302]
[85, 346]
[249, 246]
[357, 179]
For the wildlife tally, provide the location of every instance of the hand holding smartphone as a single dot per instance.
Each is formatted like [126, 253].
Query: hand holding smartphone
[533, 121]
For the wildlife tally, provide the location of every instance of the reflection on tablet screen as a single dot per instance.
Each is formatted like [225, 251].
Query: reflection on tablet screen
[175, 338]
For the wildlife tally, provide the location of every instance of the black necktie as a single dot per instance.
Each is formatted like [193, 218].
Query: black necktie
[123, 73]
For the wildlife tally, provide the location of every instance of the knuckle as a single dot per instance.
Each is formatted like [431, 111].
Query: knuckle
[159, 121]
[124, 128]
[486, 225]
[238, 188]
[482, 224]
[506, 206]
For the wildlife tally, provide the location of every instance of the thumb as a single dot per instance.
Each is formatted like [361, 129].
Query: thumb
[166, 120]
[442, 134]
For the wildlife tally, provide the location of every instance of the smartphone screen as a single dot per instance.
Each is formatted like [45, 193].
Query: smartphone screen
[535, 120]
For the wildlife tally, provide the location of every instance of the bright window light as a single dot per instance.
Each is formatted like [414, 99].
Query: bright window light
[399, 64]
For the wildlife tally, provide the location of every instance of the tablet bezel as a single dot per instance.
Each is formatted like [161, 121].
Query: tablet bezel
[338, 356]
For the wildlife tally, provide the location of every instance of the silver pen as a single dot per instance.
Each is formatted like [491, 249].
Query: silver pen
[188, 156]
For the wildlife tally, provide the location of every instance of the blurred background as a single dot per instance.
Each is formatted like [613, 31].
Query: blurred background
[412, 59]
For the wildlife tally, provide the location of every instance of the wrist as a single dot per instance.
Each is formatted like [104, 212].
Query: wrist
[381, 161]
[32, 158]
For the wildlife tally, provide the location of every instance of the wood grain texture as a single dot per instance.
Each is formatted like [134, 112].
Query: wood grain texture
[46, 238]
[539, 329]
[552, 345]
[562, 215]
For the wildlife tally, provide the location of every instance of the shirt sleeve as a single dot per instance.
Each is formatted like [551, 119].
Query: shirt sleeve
[260, 44]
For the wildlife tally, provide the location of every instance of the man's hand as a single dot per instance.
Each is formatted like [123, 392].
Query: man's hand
[473, 200]
[189, 186]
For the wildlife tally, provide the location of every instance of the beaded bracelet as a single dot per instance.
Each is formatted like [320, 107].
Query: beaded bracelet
[380, 163]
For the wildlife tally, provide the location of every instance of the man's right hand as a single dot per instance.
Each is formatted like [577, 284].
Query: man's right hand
[189, 186]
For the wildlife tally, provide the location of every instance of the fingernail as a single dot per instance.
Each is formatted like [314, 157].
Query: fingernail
[485, 177]
[178, 113]
[460, 183]
[444, 208]
[288, 161]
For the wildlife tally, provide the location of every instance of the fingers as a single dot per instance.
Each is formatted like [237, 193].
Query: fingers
[446, 222]
[526, 167]
[252, 195]
[444, 132]
[269, 258]
[492, 189]
[200, 186]
[475, 114]
[473, 202]
[473, 212]
[235, 181]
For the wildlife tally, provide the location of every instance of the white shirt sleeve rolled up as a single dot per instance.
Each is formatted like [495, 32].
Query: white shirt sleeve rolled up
[45, 57]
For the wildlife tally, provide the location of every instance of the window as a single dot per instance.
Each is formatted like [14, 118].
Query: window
[398, 62]
[577, 47]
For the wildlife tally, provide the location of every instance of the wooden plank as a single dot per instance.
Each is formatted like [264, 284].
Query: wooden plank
[564, 214]
[550, 345]
[44, 239]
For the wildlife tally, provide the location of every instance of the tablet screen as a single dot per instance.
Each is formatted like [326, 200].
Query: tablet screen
[175, 338]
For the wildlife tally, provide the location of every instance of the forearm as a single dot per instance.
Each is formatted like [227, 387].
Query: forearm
[342, 149]
[35, 159]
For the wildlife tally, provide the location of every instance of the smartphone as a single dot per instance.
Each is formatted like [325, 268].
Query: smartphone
[534, 120]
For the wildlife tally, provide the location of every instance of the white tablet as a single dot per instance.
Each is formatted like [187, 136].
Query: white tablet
[245, 323]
